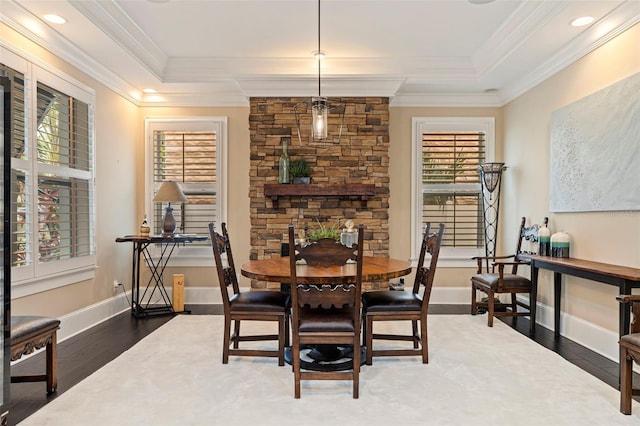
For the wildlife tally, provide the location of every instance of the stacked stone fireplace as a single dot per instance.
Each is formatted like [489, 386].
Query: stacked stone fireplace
[359, 160]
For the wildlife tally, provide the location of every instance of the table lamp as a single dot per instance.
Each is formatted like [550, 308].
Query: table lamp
[169, 192]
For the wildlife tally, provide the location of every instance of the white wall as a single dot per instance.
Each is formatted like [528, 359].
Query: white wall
[610, 237]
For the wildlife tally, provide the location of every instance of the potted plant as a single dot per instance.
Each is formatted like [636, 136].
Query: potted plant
[300, 171]
[332, 231]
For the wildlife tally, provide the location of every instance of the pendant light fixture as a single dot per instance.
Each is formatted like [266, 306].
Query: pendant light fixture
[319, 104]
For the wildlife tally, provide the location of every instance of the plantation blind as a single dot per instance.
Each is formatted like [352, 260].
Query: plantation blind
[64, 156]
[451, 191]
[188, 158]
[20, 217]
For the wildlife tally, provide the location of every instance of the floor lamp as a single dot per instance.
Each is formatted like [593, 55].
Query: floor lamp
[490, 179]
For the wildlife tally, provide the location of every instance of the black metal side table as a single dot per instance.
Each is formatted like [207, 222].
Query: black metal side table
[142, 305]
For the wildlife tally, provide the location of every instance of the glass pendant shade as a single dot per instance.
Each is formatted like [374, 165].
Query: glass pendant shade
[490, 174]
[319, 111]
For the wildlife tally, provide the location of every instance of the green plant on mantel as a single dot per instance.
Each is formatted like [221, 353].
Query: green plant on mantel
[299, 168]
[324, 231]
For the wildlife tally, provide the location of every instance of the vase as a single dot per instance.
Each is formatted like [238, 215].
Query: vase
[283, 165]
[560, 243]
[544, 240]
[302, 179]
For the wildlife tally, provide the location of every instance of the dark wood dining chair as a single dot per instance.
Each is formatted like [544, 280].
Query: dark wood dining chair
[248, 305]
[404, 305]
[492, 282]
[326, 313]
[629, 352]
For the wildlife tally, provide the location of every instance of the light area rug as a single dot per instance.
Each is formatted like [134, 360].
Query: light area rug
[476, 375]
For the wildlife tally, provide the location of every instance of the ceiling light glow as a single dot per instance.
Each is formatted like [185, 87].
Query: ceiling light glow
[54, 19]
[149, 90]
[582, 21]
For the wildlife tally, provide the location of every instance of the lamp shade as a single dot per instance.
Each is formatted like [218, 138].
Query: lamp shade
[170, 192]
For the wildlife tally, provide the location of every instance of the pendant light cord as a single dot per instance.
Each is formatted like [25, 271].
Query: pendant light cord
[319, 52]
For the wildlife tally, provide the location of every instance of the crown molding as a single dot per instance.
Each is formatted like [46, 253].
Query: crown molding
[614, 24]
[113, 22]
[181, 69]
[64, 49]
[332, 86]
[524, 23]
[197, 100]
[447, 100]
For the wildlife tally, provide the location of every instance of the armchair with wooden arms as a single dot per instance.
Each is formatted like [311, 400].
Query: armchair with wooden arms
[492, 282]
[629, 352]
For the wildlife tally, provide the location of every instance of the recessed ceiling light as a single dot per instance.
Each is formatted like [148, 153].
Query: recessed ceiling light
[149, 90]
[480, 1]
[318, 54]
[582, 21]
[54, 19]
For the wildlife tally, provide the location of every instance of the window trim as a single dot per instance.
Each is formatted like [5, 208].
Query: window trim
[186, 256]
[36, 277]
[450, 257]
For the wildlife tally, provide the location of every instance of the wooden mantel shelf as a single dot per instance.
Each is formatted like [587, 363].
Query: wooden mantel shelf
[361, 190]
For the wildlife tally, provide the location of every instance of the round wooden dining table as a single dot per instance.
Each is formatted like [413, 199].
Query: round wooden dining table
[374, 268]
[325, 357]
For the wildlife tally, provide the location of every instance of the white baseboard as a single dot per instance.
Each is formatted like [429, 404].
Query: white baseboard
[92, 315]
[589, 335]
[592, 336]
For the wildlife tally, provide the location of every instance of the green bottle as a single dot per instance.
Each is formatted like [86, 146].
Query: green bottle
[283, 167]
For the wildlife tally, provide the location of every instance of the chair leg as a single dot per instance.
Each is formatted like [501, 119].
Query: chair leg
[474, 302]
[491, 308]
[425, 340]
[281, 338]
[52, 364]
[295, 351]
[226, 340]
[626, 384]
[356, 368]
[369, 338]
[416, 337]
[514, 306]
[363, 321]
[236, 328]
[286, 331]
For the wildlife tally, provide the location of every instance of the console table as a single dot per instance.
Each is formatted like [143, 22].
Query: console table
[143, 305]
[625, 278]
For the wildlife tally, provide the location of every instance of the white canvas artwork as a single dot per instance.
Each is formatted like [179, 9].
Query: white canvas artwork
[595, 151]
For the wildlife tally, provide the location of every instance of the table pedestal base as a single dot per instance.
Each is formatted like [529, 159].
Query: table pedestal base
[326, 357]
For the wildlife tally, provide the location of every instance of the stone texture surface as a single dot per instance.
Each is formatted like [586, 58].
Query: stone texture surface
[360, 156]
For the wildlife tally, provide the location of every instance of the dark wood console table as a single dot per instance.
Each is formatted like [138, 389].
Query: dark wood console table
[625, 278]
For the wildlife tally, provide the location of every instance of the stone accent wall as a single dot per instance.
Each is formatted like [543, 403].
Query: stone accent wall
[361, 156]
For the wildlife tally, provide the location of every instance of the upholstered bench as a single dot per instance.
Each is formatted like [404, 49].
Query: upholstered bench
[29, 333]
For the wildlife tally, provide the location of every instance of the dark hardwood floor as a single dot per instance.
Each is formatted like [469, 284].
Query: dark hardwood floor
[87, 352]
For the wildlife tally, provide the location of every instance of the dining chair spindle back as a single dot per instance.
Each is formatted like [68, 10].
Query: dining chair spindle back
[326, 314]
[247, 305]
[386, 305]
